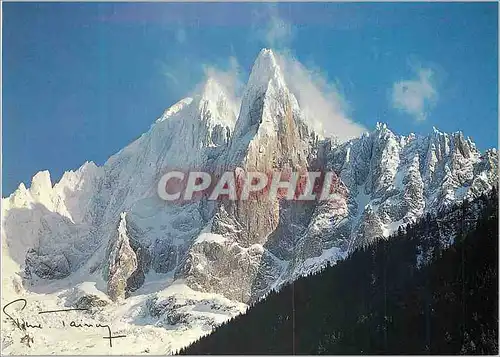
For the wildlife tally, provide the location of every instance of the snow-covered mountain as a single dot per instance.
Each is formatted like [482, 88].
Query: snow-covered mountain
[164, 273]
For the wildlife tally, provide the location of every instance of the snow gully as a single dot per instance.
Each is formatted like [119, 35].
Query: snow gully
[178, 186]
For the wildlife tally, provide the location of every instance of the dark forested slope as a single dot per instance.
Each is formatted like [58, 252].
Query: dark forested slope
[432, 288]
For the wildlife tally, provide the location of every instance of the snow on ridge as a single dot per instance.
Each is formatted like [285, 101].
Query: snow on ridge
[175, 108]
[264, 69]
[386, 174]
[211, 238]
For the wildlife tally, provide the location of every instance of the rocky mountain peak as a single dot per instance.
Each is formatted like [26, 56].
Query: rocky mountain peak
[174, 109]
[265, 69]
[40, 182]
[76, 232]
[215, 105]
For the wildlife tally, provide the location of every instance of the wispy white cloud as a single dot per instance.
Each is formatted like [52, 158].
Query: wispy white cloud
[270, 29]
[229, 77]
[171, 77]
[415, 96]
[186, 75]
[321, 101]
[278, 32]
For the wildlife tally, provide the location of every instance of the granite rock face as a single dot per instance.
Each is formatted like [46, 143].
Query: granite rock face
[47, 266]
[122, 262]
[109, 222]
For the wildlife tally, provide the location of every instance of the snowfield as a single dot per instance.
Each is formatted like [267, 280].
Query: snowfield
[158, 319]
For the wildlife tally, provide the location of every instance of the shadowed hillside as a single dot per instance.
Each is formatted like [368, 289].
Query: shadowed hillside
[430, 289]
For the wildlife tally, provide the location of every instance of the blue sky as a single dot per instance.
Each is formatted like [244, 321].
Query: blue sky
[81, 81]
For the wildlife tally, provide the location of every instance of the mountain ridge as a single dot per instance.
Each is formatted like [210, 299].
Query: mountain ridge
[57, 236]
[431, 288]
